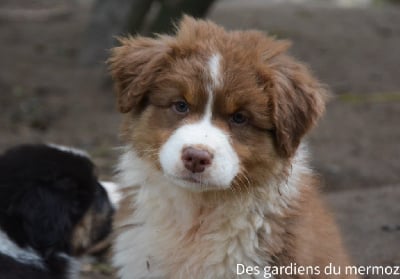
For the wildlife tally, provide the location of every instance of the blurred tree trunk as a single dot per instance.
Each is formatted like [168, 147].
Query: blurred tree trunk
[137, 15]
[171, 11]
[108, 19]
[111, 18]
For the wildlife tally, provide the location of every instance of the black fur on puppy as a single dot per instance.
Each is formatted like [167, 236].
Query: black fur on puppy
[52, 207]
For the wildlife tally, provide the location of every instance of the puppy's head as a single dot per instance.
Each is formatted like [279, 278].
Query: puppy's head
[51, 200]
[214, 109]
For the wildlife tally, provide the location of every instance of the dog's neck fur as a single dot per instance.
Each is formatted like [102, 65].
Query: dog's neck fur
[171, 223]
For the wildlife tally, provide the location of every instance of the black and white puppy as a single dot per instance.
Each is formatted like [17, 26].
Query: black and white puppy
[52, 207]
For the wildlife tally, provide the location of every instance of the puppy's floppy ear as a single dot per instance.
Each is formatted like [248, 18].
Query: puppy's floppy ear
[134, 65]
[297, 102]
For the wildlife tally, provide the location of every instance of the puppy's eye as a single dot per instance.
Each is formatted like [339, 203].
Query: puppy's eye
[239, 118]
[181, 107]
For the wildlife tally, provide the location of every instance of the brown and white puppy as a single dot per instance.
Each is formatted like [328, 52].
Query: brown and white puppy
[214, 173]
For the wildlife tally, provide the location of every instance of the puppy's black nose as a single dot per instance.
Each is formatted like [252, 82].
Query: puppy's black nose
[195, 159]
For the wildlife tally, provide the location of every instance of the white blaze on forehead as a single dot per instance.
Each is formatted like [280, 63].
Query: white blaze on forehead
[214, 68]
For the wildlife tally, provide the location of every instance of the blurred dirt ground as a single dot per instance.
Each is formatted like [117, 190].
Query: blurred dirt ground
[47, 95]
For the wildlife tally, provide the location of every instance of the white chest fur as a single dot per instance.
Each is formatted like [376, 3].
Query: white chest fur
[173, 234]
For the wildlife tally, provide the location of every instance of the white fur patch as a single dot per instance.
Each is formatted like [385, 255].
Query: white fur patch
[23, 255]
[69, 149]
[227, 233]
[216, 81]
[214, 67]
[113, 193]
[283, 193]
